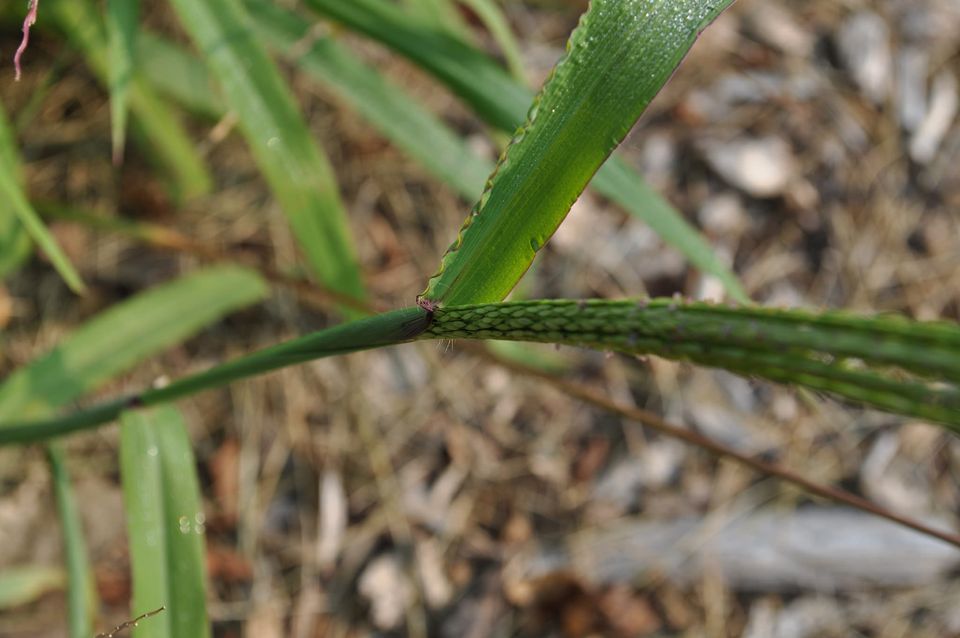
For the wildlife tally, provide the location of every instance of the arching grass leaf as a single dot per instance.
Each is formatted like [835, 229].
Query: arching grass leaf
[617, 60]
[501, 101]
[123, 335]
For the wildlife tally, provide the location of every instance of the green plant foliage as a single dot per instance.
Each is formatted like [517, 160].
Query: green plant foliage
[125, 334]
[18, 215]
[892, 363]
[177, 74]
[504, 103]
[14, 240]
[155, 127]
[439, 14]
[382, 330]
[165, 523]
[887, 362]
[398, 117]
[122, 28]
[298, 172]
[22, 585]
[496, 23]
[617, 60]
[81, 595]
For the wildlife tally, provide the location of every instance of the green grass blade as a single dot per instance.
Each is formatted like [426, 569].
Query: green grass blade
[398, 117]
[891, 363]
[441, 14]
[382, 330]
[14, 240]
[156, 128]
[299, 174]
[616, 62]
[14, 200]
[123, 17]
[81, 595]
[165, 523]
[123, 335]
[496, 23]
[178, 75]
[468, 72]
[23, 585]
[504, 103]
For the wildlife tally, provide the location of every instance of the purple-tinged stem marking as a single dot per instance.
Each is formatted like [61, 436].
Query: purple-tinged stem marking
[27, 23]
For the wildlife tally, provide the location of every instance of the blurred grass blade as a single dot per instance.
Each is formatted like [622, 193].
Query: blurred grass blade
[14, 240]
[496, 23]
[23, 585]
[382, 330]
[468, 72]
[157, 130]
[14, 200]
[178, 75]
[891, 363]
[123, 18]
[123, 335]
[299, 174]
[81, 595]
[442, 14]
[502, 102]
[165, 523]
[617, 60]
[398, 117]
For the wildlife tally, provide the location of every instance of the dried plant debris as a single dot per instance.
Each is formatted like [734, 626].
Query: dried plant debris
[812, 548]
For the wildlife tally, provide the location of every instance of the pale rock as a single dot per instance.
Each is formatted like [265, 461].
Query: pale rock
[940, 115]
[776, 27]
[723, 215]
[388, 589]
[864, 45]
[761, 167]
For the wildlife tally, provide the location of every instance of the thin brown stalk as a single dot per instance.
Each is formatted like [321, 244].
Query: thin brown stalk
[655, 422]
[131, 623]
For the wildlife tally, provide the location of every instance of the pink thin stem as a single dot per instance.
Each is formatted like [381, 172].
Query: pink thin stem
[27, 23]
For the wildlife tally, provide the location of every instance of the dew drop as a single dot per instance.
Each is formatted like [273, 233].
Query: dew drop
[152, 450]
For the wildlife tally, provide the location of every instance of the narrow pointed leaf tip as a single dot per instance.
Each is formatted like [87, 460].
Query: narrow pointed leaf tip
[617, 60]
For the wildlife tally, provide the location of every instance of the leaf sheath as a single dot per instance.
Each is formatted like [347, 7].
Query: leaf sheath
[886, 362]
